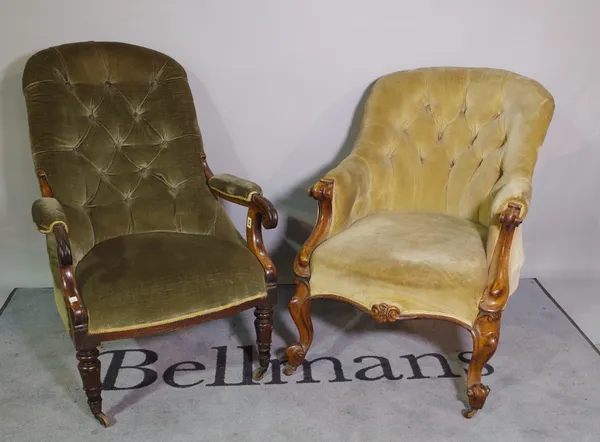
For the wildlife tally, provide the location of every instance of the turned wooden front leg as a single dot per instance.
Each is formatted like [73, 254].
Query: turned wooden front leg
[264, 330]
[89, 370]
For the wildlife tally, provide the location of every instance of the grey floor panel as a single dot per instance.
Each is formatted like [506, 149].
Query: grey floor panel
[544, 380]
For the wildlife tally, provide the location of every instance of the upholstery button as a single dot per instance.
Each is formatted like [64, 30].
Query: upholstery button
[440, 136]
[107, 82]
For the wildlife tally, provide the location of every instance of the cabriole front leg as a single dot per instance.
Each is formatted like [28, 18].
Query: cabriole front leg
[486, 333]
[299, 307]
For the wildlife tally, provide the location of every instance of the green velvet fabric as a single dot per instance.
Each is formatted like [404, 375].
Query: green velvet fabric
[156, 278]
[114, 128]
[234, 187]
[46, 212]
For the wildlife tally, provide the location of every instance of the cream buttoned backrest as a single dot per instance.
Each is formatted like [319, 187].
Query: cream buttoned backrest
[446, 139]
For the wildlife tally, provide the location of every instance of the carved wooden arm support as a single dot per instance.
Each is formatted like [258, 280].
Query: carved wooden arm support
[496, 293]
[260, 212]
[322, 191]
[78, 316]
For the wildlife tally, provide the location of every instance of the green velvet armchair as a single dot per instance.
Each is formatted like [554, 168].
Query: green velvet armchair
[421, 219]
[138, 240]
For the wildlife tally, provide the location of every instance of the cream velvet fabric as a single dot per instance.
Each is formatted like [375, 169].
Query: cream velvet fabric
[413, 250]
[457, 141]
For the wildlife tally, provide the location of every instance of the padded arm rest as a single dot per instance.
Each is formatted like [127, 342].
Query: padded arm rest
[46, 213]
[351, 193]
[234, 188]
[517, 190]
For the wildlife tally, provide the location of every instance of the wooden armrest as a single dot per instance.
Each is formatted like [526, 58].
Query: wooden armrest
[260, 212]
[322, 191]
[78, 315]
[496, 293]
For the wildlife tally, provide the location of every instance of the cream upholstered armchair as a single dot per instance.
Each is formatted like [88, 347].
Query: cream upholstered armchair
[421, 219]
[138, 240]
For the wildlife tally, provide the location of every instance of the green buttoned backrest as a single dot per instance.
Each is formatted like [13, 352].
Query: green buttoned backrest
[114, 127]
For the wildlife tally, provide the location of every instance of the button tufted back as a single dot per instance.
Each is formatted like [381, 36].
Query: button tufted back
[114, 127]
[446, 139]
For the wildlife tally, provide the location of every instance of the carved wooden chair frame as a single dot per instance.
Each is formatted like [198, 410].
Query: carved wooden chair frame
[485, 330]
[260, 212]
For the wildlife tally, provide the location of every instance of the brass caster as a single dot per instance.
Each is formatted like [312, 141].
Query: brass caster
[101, 417]
[289, 369]
[468, 413]
[258, 373]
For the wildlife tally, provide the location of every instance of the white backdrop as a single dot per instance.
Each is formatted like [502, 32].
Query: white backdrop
[277, 84]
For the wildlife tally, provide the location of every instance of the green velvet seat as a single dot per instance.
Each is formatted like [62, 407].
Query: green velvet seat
[158, 278]
[138, 240]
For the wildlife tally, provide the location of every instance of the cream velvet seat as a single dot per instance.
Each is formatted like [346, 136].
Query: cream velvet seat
[422, 218]
[409, 259]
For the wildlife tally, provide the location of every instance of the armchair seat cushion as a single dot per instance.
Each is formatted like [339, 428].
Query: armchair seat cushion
[148, 279]
[423, 263]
